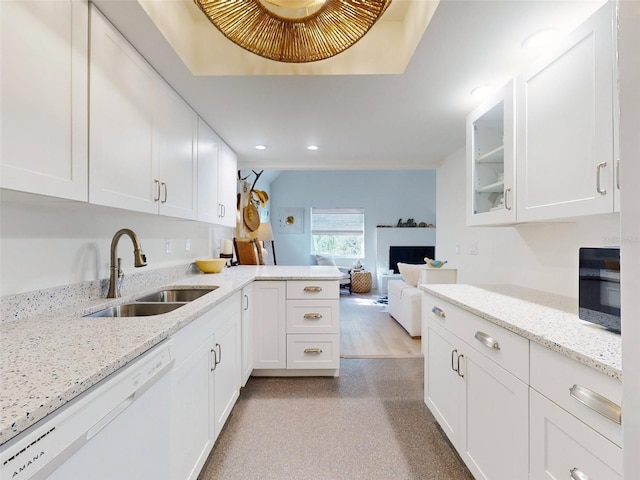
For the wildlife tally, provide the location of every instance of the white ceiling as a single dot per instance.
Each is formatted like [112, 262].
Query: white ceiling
[400, 121]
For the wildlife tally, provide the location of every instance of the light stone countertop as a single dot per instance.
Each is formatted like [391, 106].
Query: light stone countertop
[48, 359]
[548, 319]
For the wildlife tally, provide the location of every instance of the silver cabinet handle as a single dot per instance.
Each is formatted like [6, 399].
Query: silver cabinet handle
[156, 197]
[597, 402]
[577, 474]
[164, 185]
[506, 204]
[223, 210]
[618, 174]
[215, 360]
[453, 354]
[218, 353]
[439, 312]
[598, 178]
[312, 289]
[316, 351]
[485, 339]
[246, 298]
[460, 374]
[312, 316]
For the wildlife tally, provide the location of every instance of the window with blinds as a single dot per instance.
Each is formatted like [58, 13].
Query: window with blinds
[337, 231]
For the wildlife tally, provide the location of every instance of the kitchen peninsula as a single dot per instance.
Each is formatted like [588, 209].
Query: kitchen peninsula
[55, 354]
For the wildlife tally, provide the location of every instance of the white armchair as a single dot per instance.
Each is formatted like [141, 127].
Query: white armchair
[345, 281]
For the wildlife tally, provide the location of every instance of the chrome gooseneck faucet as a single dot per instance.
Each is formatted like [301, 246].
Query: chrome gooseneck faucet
[115, 270]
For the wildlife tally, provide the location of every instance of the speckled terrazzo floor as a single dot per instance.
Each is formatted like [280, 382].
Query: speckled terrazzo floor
[370, 423]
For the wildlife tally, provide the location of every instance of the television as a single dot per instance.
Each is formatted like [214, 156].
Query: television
[413, 255]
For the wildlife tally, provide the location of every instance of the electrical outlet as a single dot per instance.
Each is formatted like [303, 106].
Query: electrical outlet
[474, 249]
[168, 246]
[457, 248]
[187, 244]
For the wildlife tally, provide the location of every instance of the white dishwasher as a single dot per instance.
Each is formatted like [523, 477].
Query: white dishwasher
[118, 429]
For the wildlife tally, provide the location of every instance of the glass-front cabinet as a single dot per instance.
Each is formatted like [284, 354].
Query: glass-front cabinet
[491, 161]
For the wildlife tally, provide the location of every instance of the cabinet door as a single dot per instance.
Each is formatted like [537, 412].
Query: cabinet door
[208, 152]
[44, 97]
[442, 385]
[121, 167]
[491, 161]
[175, 132]
[192, 432]
[227, 186]
[565, 131]
[561, 443]
[247, 332]
[269, 325]
[227, 368]
[495, 411]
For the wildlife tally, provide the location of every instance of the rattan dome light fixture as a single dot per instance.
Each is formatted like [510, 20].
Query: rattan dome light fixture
[294, 31]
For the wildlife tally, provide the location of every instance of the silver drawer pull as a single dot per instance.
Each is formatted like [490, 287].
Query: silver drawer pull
[487, 340]
[316, 351]
[599, 189]
[312, 289]
[312, 316]
[577, 474]
[597, 402]
[438, 312]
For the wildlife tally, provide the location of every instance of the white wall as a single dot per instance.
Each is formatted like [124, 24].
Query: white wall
[386, 197]
[538, 255]
[47, 242]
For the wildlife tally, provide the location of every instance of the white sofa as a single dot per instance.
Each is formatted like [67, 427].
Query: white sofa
[405, 298]
[405, 305]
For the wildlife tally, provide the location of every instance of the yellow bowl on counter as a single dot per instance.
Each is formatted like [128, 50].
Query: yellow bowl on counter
[211, 265]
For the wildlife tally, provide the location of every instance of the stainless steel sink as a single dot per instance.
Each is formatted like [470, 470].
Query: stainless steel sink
[137, 310]
[176, 295]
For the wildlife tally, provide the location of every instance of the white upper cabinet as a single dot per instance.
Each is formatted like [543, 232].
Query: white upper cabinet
[565, 126]
[44, 97]
[491, 161]
[227, 185]
[217, 173]
[175, 135]
[208, 152]
[142, 134]
[121, 164]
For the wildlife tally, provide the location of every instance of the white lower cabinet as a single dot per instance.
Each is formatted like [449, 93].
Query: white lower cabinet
[482, 408]
[514, 409]
[205, 385]
[563, 447]
[296, 327]
[269, 325]
[247, 332]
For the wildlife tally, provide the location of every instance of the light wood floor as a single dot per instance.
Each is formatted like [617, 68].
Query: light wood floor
[368, 331]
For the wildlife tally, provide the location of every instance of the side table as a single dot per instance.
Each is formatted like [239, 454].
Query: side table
[360, 282]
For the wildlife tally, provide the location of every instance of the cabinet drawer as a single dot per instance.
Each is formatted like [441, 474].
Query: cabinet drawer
[507, 349]
[313, 351]
[313, 316]
[554, 375]
[303, 289]
[560, 443]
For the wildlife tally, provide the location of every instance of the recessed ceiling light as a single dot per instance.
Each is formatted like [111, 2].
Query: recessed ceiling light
[312, 147]
[261, 147]
[482, 91]
[539, 38]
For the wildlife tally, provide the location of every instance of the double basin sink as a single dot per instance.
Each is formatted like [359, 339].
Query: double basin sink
[163, 301]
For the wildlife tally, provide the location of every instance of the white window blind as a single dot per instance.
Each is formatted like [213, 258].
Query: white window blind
[338, 231]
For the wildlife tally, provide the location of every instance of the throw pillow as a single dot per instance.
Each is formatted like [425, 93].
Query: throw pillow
[410, 273]
[325, 260]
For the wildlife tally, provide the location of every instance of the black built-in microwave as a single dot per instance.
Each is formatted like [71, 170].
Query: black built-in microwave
[599, 287]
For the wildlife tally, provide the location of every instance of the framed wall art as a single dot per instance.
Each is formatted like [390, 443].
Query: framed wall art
[291, 220]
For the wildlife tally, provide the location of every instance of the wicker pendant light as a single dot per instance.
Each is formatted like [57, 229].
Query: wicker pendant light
[330, 28]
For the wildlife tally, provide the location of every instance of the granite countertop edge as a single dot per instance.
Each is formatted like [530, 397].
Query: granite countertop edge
[550, 323]
[19, 413]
